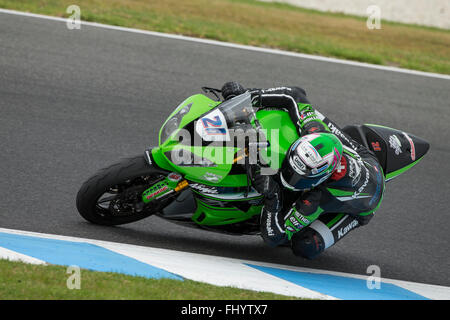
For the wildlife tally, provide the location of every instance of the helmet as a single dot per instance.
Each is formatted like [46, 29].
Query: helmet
[311, 160]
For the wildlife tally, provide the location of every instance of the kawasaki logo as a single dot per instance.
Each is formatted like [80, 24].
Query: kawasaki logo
[364, 185]
[276, 89]
[343, 231]
[339, 133]
[269, 224]
[203, 188]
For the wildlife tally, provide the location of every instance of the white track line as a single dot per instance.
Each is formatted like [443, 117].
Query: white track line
[236, 46]
[15, 256]
[159, 259]
[190, 266]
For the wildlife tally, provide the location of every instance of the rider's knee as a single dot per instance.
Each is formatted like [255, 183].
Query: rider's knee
[307, 243]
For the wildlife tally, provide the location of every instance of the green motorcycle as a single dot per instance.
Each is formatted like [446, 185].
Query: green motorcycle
[200, 174]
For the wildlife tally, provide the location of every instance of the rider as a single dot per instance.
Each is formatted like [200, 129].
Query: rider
[335, 182]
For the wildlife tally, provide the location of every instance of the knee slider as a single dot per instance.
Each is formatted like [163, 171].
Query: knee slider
[307, 243]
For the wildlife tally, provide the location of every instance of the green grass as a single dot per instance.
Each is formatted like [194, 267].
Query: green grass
[21, 281]
[271, 25]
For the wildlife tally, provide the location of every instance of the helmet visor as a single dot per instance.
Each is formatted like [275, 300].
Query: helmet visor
[294, 181]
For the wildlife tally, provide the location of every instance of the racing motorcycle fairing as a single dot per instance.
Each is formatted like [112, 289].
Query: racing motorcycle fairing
[396, 150]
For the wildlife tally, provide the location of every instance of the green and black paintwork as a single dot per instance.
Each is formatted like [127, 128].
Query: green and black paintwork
[219, 197]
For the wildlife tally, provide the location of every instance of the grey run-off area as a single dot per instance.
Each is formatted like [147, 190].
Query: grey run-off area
[433, 13]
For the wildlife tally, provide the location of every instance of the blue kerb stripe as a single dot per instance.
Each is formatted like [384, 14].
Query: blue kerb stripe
[84, 255]
[341, 287]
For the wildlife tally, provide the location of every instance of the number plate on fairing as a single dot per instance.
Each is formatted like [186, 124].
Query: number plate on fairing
[213, 127]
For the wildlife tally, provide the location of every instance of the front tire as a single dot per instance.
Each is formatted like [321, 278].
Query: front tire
[113, 195]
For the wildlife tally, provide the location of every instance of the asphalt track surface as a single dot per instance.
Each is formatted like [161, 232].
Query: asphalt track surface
[74, 101]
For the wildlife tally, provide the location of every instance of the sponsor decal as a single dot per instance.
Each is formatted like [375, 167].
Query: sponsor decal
[269, 224]
[297, 164]
[211, 177]
[301, 217]
[276, 89]
[351, 198]
[376, 146]
[289, 228]
[151, 195]
[364, 185]
[308, 114]
[413, 148]
[174, 176]
[340, 135]
[295, 222]
[344, 230]
[394, 143]
[309, 154]
[307, 120]
[204, 188]
[354, 170]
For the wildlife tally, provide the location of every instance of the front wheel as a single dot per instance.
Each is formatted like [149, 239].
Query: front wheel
[113, 196]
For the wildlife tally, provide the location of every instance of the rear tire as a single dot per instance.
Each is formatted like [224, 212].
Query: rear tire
[127, 179]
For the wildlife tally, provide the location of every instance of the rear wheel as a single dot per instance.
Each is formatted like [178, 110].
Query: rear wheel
[113, 196]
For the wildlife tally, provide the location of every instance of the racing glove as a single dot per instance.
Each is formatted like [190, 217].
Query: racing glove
[270, 189]
[232, 89]
[304, 211]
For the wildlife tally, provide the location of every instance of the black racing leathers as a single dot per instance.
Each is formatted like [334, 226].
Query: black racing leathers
[286, 98]
[329, 211]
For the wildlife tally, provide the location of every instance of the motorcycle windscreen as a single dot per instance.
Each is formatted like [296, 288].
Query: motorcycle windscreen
[396, 150]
